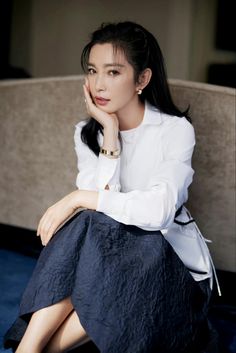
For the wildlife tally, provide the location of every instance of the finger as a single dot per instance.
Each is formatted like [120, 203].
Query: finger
[41, 222]
[39, 227]
[88, 101]
[45, 223]
[48, 235]
[51, 230]
[44, 231]
[87, 94]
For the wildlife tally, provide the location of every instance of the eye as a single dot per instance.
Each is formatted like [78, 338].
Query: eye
[113, 72]
[91, 71]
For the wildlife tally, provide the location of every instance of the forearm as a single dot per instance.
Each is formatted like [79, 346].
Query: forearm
[86, 199]
[110, 139]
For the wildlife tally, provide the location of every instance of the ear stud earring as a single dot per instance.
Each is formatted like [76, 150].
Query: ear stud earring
[139, 92]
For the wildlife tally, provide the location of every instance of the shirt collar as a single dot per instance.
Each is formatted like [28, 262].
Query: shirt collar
[152, 115]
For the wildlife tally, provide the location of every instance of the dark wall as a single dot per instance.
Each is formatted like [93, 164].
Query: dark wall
[6, 70]
[224, 74]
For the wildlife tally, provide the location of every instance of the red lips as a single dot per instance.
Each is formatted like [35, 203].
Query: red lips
[101, 101]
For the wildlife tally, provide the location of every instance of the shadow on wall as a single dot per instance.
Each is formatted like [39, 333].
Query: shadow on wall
[8, 71]
[224, 74]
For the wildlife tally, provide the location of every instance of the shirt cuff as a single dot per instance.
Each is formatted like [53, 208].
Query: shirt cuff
[110, 202]
[108, 173]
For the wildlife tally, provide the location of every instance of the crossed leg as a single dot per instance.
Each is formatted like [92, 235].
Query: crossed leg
[54, 328]
[69, 335]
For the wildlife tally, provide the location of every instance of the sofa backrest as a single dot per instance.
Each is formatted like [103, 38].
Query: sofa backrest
[38, 161]
[212, 194]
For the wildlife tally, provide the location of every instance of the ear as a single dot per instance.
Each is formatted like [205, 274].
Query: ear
[144, 79]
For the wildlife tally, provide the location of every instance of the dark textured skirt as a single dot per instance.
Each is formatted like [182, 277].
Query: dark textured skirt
[129, 288]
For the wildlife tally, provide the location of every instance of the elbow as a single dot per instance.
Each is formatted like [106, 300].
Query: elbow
[156, 209]
[164, 208]
[161, 215]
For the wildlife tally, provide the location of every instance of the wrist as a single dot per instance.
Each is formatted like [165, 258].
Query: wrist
[110, 139]
[110, 153]
[75, 197]
[84, 199]
[111, 129]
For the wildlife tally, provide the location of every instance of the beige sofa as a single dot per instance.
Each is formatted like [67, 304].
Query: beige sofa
[38, 162]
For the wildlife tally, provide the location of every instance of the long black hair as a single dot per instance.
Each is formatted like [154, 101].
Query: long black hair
[142, 51]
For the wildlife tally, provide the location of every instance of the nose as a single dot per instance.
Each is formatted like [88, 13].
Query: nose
[100, 83]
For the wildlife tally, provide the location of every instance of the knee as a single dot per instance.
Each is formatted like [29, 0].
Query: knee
[98, 217]
[92, 214]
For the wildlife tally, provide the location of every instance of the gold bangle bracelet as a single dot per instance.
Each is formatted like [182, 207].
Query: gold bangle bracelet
[115, 153]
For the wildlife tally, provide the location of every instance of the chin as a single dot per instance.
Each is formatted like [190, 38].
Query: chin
[106, 109]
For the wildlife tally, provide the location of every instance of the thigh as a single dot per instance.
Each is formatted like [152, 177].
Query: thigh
[70, 334]
[133, 292]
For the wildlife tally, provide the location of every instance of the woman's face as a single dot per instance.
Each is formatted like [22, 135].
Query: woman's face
[111, 79]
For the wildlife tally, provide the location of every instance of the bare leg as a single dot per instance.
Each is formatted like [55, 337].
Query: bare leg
[43, 325]
[70, 334]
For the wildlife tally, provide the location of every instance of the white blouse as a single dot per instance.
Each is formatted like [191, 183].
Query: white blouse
[149, 181]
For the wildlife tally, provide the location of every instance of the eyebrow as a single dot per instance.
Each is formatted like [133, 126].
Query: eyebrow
[108, 65]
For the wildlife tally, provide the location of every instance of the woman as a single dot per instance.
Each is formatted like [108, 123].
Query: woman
[108, 275]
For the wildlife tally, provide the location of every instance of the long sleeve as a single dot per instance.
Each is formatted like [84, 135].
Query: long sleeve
[154, 208]
[95, 172]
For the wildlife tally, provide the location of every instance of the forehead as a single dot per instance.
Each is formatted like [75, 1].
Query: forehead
[107, 54]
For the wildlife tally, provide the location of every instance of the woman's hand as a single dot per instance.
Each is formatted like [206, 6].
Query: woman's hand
[105, 119]
[56, 216]
[109, 122]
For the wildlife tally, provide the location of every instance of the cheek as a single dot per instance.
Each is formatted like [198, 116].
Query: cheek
[90, 81]
[126, 86]
[127, 90]
[92, 86]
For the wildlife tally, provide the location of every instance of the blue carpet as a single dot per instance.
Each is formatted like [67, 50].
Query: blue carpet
[14, 275]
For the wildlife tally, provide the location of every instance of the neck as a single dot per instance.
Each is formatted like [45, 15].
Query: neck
[131, 116]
